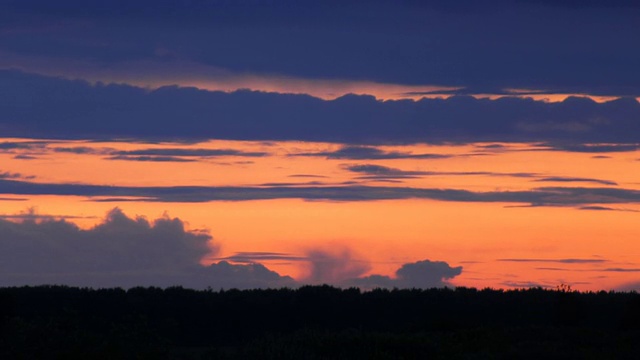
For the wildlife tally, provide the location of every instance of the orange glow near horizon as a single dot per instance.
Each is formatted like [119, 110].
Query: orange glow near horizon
[153, 75]
[384, 233]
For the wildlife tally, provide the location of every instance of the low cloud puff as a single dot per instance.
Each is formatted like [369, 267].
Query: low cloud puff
[420, 274]
[333, 266]
[120, 251]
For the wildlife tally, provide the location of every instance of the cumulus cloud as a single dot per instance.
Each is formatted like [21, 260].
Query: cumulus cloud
[420, 274]
[339, 266]
[246, 276]
[119, 251]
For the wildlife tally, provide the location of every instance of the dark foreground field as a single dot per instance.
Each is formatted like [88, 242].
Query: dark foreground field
[317, 323]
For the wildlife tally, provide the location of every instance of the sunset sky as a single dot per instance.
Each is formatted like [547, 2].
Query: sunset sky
[275, 143]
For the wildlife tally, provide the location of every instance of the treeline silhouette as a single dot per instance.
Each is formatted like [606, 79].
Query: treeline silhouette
[316, 322]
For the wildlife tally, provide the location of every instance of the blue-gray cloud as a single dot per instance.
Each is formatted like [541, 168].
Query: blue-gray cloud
[380, 172]
[369, 153]
[421, 274]
[150, 158]
[253, 257]
[561, 261]
[36, 106]
[120, 251]
[543, 196]
[175, 152]
[575, 179]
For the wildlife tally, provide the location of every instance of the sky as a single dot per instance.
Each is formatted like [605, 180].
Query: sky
[243, 144]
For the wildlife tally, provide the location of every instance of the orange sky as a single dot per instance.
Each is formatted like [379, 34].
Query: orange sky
[385, 233]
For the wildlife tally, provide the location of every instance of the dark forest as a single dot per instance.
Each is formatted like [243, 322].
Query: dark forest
[316, 322]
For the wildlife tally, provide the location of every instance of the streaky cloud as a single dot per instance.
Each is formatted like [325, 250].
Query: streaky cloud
[189, 152]
[370, 153]
[560, 261]
[150, 158]
[544, 196]
[256, 257]
[576, 179]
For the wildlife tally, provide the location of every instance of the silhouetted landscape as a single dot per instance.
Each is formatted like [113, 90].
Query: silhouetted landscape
[316, 322]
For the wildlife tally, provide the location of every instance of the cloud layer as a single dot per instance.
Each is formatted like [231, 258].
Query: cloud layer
[36, 106]
[542, 196]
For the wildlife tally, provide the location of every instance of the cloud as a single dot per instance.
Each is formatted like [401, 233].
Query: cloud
[604, 208]
[339, 266]
[526, 284]
[561, 261]
[10, 175]
[150, 158]
[253, 257]
[544, 196]
[378, 172]
[334, 266]
[307, 176]
[592, 148]
[373, 171]
[421, 274]
[125, 252]
[118, 245]
[177, 154]
[100, 111]
[81, 150]
[189, 152]
[370, 153]
[31, 215]
[576, 179]
[246, 276]
[119, 251]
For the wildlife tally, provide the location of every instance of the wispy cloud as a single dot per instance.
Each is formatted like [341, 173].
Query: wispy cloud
[377, 172]
[150, 158]
[369, 153]
[576, 179]
[545, 196]
[253, 257]
[559, 261]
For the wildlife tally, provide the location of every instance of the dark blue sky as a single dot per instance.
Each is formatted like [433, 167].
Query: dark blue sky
[583, 47]
[562, 46]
